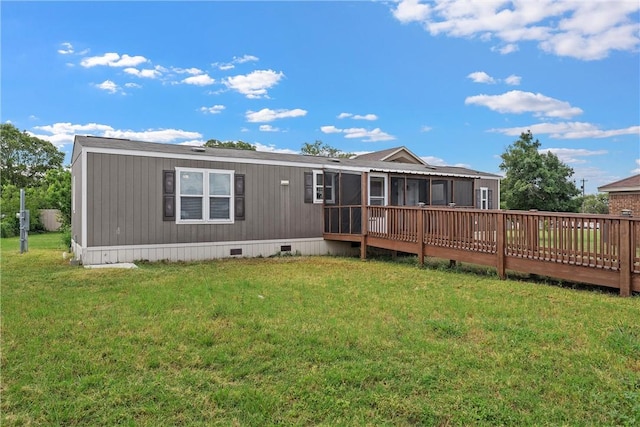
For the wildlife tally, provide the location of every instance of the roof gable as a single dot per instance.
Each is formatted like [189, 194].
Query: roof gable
[396, 154]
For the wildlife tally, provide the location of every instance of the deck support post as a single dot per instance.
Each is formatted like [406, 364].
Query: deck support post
[501, 233]
[625, 257]
[364, 220]
[420, 237]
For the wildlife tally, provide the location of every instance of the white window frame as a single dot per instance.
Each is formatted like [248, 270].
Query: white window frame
[484, 198]
[205, 196]
[385, 189]
[321, 187]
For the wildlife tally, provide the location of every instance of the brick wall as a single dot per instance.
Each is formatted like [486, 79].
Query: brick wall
[620, 201]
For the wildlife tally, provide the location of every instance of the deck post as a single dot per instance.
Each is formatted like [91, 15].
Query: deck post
[420, 236]
[625, 257]
[364, 215]
[500, 245]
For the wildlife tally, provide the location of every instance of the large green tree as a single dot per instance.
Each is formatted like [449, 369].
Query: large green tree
[596, 203]
[25, 159]
[321, 149]
[536, 180]
[56, 193]
[237, 145]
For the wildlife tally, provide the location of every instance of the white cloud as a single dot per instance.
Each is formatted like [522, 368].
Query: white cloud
[426, 128]
[113, 59]
[513, 80]
[109, 86]
[267, 115]
[193, 71]
[506, 49]
[66, 49]
[573, 155]
[434, 161]
[236, 60]
[636, 170]
[569, 130]
[366, 135]
[411, 10]
[330, 129]
[63, 133]
[214, 109]
[199, 80]
[273, 149]
[518, 102]
[60, 134]
[132, 85]
[153, 135]
[268, 128]
[587, 30]
[437, 161]
[193, 143]
[147, 73]
[481, 77]
[369, 117]
[245, 58]
[255, 84]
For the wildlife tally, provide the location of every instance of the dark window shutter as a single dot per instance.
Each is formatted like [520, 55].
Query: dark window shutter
[490, 199]
[478, 201]
[168, 195]
[239, 197]
[308, 187]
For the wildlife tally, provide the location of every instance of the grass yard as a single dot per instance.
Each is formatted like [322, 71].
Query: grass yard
[307, 341]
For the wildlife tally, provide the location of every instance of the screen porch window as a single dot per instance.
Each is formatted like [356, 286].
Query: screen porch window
[204, 196]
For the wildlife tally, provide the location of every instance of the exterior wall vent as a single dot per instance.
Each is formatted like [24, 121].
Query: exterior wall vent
[235, 251]
[285, 248]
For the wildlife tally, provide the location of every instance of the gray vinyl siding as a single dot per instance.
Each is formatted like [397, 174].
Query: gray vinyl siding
[492, 185]
[125, 203]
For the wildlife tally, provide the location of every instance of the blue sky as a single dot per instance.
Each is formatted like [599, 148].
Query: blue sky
[454, 81]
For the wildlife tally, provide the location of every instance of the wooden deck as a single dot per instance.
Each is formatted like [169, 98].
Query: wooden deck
[595, 249]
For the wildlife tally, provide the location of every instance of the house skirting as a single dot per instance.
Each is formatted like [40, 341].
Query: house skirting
[208, 250]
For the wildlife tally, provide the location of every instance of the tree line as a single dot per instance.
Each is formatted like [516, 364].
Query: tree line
[36, 166]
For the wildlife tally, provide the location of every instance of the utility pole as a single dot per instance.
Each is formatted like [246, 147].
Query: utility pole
[23, 215]
[582, 188]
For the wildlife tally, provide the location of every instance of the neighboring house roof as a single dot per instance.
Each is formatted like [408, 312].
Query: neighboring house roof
[124, 146]
[396, 154]
[628, 184]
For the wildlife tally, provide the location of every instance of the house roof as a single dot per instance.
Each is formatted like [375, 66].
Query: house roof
[395, 154]
[126, 146]
[631, 183]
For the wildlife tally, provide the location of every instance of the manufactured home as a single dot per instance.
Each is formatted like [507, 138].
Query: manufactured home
[134, 200]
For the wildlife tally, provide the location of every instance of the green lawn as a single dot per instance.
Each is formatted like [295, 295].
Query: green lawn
[307, 341]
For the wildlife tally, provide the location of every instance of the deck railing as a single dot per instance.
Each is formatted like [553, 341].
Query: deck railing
[597, 249]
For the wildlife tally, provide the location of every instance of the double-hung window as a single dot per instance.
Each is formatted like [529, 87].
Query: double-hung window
[204, 196]
[323, 187]
[377, 190]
